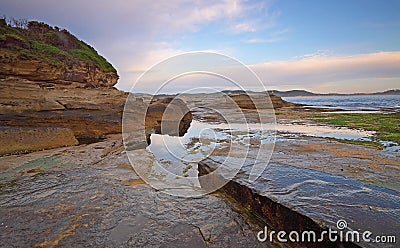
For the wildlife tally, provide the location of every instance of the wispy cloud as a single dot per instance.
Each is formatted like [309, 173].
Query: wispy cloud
[244, 27]
[269, 40]
[318, 74]
[272, 37]
[319, 70]
[316, 54]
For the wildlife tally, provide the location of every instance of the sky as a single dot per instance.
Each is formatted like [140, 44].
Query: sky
[320, 46]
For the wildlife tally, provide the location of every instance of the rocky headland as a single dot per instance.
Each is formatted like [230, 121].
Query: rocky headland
[55, 90]
[39, 52]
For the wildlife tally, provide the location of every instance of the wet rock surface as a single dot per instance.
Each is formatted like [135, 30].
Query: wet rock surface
[314, 182]
[289, 198]
[363, 164]
[89, 195]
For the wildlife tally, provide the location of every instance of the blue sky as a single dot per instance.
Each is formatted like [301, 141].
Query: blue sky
[296, 28]
[321, 46]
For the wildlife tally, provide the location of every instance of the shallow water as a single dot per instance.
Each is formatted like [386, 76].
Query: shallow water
[220, 131]
[176, 158]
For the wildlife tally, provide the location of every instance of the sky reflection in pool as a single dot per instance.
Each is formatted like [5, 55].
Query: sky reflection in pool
[180, 155]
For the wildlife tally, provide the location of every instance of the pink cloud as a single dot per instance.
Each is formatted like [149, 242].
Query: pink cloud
[330, 69]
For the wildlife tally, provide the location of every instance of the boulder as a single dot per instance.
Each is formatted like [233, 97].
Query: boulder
[245, 101]
[167, 115]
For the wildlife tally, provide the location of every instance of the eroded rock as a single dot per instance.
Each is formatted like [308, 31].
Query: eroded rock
[259, 101]
[84, 73]
[167, 116]
[91, 113]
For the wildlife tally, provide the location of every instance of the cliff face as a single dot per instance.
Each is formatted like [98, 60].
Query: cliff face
[78, 72]
[55, 90]
[39, 52]
[35, 113]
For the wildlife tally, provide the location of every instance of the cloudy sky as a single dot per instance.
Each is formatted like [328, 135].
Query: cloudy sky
[321, 46]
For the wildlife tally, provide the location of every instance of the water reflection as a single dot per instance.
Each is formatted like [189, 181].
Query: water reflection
[177, 157]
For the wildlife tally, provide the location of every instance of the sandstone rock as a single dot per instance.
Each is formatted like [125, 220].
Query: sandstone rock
[245, 101]
[51, 79]
[89, 113]
[85, 73]
[167, 116]
[17, 139]
[278, 102]
[39, 52]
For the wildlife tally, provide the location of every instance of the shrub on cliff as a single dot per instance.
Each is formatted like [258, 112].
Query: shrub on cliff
[38, 41]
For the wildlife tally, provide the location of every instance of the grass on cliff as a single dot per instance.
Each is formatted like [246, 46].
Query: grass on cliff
[39, 41]
[47, 53]
[87, 53]
[386, 126]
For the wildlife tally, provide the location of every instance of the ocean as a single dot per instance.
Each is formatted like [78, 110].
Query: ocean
[364, 103]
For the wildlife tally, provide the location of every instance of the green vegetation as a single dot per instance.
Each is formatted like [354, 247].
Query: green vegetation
[47, 53]
[42, 163]
[87, 53]
[375, 144]
[386, 126]
[388, 185]
[39, 41]
[34, 166]
[186, 169]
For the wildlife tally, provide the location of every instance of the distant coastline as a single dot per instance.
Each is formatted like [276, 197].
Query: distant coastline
[294, 93]
[289, 93]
